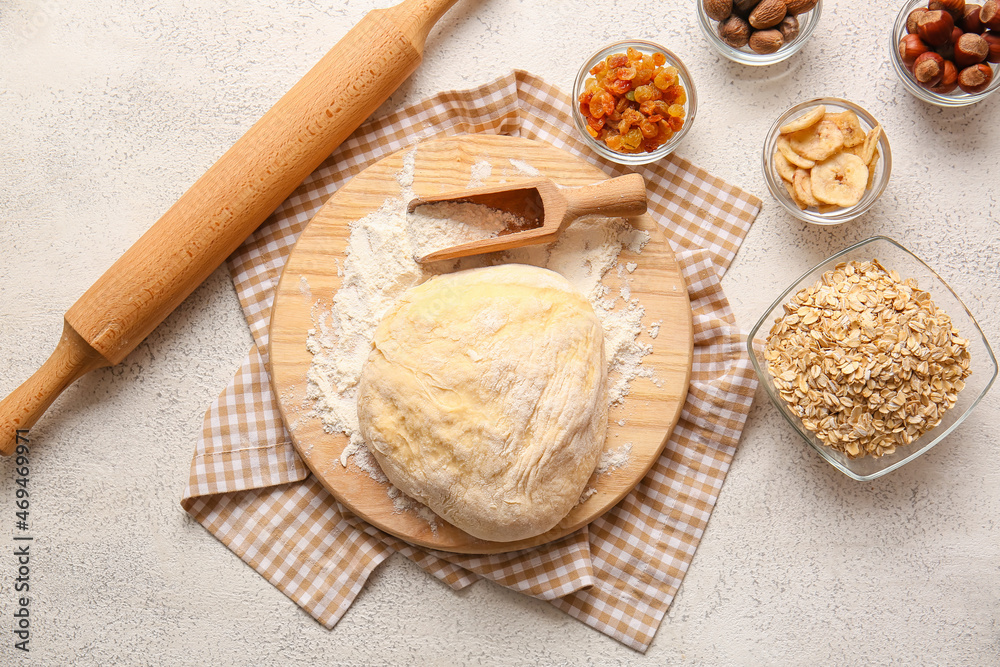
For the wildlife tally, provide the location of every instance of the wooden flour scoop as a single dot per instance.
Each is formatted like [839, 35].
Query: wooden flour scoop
[545, 206]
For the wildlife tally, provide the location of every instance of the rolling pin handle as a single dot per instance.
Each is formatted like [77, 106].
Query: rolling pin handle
[72, 358]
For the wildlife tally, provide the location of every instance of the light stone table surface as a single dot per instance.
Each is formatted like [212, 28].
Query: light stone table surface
[110, 110]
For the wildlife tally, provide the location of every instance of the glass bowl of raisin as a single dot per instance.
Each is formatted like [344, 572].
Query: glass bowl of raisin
[634, 101]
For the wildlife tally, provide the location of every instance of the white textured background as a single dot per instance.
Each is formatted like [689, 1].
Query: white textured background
[109, 110]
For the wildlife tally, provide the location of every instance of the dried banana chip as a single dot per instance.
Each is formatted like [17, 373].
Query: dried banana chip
[871, 169]
[817, 142]
[786, 149]
[784, 168]
[795, 198]
[840, 180]
[870, 144]
[807, 119]
[856, 150]
[850, 126]
[803, 187]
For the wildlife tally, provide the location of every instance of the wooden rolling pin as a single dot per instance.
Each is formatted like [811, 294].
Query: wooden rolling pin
[228, 203]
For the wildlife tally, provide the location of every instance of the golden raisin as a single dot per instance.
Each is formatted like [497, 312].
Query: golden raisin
[655, 107]
[649, 93]
[620, 87]
[666, 77]
[666, 132]
[677, 94]
[632, 139]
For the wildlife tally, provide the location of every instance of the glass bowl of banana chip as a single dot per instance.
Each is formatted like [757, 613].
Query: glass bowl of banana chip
[826, 161]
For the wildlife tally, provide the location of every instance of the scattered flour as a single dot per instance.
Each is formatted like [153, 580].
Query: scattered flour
[524, 168]
[363, 459]
[481, 171]
[610, 460]
[403, 503]
[654, 328]
[380, 264]
[614, 459]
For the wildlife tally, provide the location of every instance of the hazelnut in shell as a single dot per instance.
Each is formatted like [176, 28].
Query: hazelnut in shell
[954, 7]
[935, 26]
[993, 41]
[975, 79]
[910, 47]
[912, 18]
[947, 50]
[970, 49]
[970, 20]
[928, 69]
[735, 32]
[990, 15]
[766, 41]
[949, 79]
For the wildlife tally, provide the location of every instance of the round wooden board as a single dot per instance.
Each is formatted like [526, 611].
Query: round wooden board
[646, 419]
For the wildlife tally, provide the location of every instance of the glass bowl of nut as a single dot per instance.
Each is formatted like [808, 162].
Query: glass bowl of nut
[946, 52]
[871, 358]
[826, 161]
[758, 32]
[634, 101]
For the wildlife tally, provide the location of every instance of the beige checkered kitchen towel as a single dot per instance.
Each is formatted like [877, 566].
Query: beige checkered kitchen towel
[249, 488]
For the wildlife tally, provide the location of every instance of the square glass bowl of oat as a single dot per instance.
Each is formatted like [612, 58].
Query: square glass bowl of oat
[872, 358]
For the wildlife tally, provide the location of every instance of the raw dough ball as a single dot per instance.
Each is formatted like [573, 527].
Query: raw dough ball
[485, 398]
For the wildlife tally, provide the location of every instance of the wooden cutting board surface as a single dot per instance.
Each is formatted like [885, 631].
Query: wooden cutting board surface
[646, 418]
